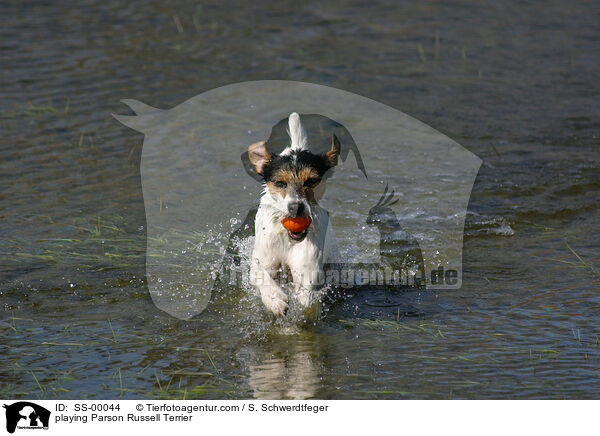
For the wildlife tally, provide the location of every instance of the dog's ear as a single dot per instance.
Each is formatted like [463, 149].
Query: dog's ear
[258, 155]
[333, 154]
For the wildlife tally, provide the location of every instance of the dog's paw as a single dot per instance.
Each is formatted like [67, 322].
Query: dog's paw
[276, 302]
[305, 297]
[310, 303]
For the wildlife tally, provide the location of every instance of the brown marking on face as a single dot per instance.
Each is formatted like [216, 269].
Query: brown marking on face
[274, 189]
[307, 173]
[296, 180]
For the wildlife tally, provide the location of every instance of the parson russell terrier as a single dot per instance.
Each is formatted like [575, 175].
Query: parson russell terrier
[294, 181]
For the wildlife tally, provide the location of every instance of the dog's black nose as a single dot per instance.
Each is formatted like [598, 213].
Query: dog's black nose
[296, 208]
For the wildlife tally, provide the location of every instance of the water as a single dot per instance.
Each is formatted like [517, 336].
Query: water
[515, 84]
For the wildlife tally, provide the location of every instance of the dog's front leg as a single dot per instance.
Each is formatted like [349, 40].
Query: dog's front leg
[307, 279]
[270, 292]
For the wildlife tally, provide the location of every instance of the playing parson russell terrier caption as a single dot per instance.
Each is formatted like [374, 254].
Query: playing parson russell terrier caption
[293, 233]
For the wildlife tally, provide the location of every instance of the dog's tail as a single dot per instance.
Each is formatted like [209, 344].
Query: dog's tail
[298, 138]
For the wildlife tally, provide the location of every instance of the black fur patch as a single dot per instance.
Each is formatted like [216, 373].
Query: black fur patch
[296, 161]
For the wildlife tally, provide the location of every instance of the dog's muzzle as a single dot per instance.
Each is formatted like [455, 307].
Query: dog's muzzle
[296, 208]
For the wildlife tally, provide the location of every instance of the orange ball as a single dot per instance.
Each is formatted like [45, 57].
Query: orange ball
[296, 224]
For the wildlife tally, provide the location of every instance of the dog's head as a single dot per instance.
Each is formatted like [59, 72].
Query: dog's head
[295, 178]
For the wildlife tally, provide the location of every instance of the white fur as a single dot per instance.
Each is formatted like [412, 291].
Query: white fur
[275, 251]
[298, 137]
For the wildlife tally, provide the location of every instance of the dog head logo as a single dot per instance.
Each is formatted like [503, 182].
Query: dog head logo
[196, 192]
[26, 415]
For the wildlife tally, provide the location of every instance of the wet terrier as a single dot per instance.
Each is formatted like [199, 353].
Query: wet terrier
[294, 181]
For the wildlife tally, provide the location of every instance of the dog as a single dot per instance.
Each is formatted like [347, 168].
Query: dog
[294, 182]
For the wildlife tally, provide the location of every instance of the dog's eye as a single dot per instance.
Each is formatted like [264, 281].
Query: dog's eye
[281, 184]
[311, 183]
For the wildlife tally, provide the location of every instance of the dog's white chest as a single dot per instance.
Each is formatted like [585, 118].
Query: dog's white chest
[273, 247]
